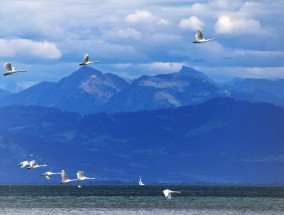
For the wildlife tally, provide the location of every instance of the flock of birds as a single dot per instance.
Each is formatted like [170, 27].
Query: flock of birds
[80, 174]
[64, 179]
[11, 70]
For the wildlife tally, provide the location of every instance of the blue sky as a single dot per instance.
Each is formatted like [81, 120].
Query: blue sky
[133, 38]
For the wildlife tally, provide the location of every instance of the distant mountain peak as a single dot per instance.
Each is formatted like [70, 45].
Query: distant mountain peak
[188, 71]
[12, 87]
[80, 75]
[86, 71]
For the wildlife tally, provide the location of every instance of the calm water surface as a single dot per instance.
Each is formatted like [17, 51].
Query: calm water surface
[122, 199]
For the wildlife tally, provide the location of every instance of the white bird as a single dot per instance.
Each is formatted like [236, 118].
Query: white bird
[24, 164]
[33, 165]
[65, 179]
[79, 186]
[140, 182]
[200, 39]
[81, 176]
[86, 61]
[168, 193]
[11, 70]
[49, 174]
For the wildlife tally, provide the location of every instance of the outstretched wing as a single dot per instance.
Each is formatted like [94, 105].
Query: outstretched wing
[166, 192]
[80, 174]
[63, 175]
[8, 66]
[32, 163]
[198, 35]
[86, 58]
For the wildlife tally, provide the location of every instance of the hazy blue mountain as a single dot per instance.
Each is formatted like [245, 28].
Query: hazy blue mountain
[194, 73]
[186, 87]
[4, 93]
[84, 91]
[12, 87]
[88, 91]
[219, 141]
[259, 89]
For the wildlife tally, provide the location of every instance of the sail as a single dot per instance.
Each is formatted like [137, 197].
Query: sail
[140, 182]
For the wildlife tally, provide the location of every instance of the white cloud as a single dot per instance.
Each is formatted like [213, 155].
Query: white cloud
[151, 68]
[24, 47]
[228, 73]
[229, 25]
[127, 33]
[104, 50]
[163, 22]
[166, 40]
[139, 16]
[226, 5]
[135, 32]
[5, 49]
[161, 67]
[258, 53]
[191, 23]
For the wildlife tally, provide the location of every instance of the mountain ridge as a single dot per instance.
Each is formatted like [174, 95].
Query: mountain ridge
[88, 91]
[220, 141]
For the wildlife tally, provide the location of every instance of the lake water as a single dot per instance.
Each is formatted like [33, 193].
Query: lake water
[133, 199]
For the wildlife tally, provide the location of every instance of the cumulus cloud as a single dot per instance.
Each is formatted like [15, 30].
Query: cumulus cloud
[24, 47]
[229, 25]
[191, 23]
[139, 16]
[135, 32]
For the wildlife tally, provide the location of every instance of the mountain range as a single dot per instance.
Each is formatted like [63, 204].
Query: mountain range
[258, 89]
[220, 141]
[167, 128]
[88, 91]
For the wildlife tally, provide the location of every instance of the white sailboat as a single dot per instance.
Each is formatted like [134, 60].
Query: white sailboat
[140, 182]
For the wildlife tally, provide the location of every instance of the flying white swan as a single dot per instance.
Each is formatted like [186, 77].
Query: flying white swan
[49, 174]
[168, 193]
[11, 70]
[65, 179]
[86, 61]
[33, 165]
[200, 39]
[24, 164]
[140, 182]
[81, 176]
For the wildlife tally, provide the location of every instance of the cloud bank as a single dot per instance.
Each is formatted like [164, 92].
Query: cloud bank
[248, 33]
[24, 47]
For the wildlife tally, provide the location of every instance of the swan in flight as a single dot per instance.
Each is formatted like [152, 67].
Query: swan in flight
[81, 176]
[86, 61]
[11, 70]
[33, 165]
[200, 39]
[65, 178]
[49, 174]
[168, 193]
[24, 164]
[140, 182]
